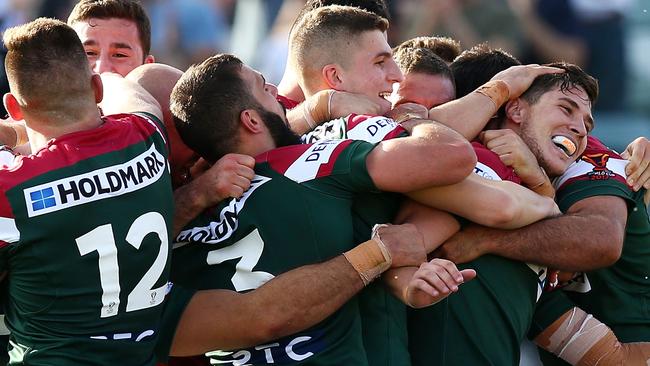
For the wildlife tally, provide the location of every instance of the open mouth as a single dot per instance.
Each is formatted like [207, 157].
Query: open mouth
[565, 144]
[385, 95]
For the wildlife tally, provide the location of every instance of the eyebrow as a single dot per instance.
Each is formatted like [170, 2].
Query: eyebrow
[589, 120]
[91, 42]
[384, 54]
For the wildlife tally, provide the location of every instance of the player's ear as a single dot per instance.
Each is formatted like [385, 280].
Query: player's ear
[98, 87]
[516, 110]
[333, 76]
[251, 121]
[12, 106]
[149, 59]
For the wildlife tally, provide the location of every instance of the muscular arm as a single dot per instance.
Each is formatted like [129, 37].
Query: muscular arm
[294, 300]
[499, 204]
[291, 302]
[122, 95]
[411, 163]
[589, 236]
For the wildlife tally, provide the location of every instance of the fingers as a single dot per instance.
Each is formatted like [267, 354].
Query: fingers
[468, 274]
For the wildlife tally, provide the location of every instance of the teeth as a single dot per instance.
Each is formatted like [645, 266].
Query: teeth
[565, 144]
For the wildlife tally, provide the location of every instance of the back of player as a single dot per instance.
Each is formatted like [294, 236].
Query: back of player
[84, 228]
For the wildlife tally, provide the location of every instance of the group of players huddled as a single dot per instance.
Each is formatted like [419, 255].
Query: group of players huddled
[417, 205]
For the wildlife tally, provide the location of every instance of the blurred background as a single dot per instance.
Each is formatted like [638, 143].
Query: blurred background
[609, 38]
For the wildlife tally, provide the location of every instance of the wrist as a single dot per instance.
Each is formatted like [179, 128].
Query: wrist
[370, 259]
[496, 90]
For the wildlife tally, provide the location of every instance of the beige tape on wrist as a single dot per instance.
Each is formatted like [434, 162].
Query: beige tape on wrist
[371, 258]
[496, 90]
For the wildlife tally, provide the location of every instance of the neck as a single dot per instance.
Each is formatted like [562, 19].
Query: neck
[40, 131]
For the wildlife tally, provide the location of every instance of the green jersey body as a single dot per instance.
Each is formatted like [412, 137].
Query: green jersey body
[297, 211]
[84, 236]
[383, 316]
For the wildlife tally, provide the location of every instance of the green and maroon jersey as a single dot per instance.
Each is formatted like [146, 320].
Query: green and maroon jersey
[297, 211]
[617, 295]
[84, 228]
[484, 322]
[383, 316]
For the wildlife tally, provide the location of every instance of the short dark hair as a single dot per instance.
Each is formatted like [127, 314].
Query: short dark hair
[446, 48]
[422, 60]
[206, 103]
[573, 77]
[476, 66]
[122, 9]
[321, 36]
[47, 69]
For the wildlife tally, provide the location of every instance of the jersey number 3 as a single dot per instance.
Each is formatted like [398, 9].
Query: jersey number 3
[102, 240]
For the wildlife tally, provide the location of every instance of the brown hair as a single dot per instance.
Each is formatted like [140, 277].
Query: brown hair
[206, 103]
[573, 77]
[421, 60]
[327, 35]
[122, 9]
[446, 48]
[48, 70]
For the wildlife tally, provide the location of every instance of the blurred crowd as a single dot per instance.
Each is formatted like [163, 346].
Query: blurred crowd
[606, 37]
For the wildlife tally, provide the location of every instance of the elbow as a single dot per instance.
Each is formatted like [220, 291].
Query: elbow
[508, 210]
[610, 253]
[461, 161]
[270, 328]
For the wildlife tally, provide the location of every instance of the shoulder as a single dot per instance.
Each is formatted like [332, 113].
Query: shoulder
[597, 163]
[372, 129]
[305, 162]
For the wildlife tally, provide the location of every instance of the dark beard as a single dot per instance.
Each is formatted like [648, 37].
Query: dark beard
[280, 132]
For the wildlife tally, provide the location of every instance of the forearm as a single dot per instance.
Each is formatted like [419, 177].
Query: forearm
[413, 163]
[311, 112]
[13, 134]
[557, 243]
[289, 303]
[467, 115]
[498, 204]
[397, 281]
[122, 95]
[186, 207]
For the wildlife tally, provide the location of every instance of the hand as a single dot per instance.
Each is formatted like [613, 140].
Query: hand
[230, 176]
[637, 170]
[405, 244]
[344, 103]
[557, 279]
[466, 245]
[434, 281]
[407, 111]
[514, 152]
[520, 77]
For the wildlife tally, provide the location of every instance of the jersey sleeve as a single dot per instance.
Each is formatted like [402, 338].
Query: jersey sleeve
[598, 172]
[340, 163]
[7, 157]
[159, 125]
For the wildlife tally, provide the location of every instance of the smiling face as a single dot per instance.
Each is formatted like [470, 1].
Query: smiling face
[112, 45]
[371, 69]
[424, 89]
[555, 127]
